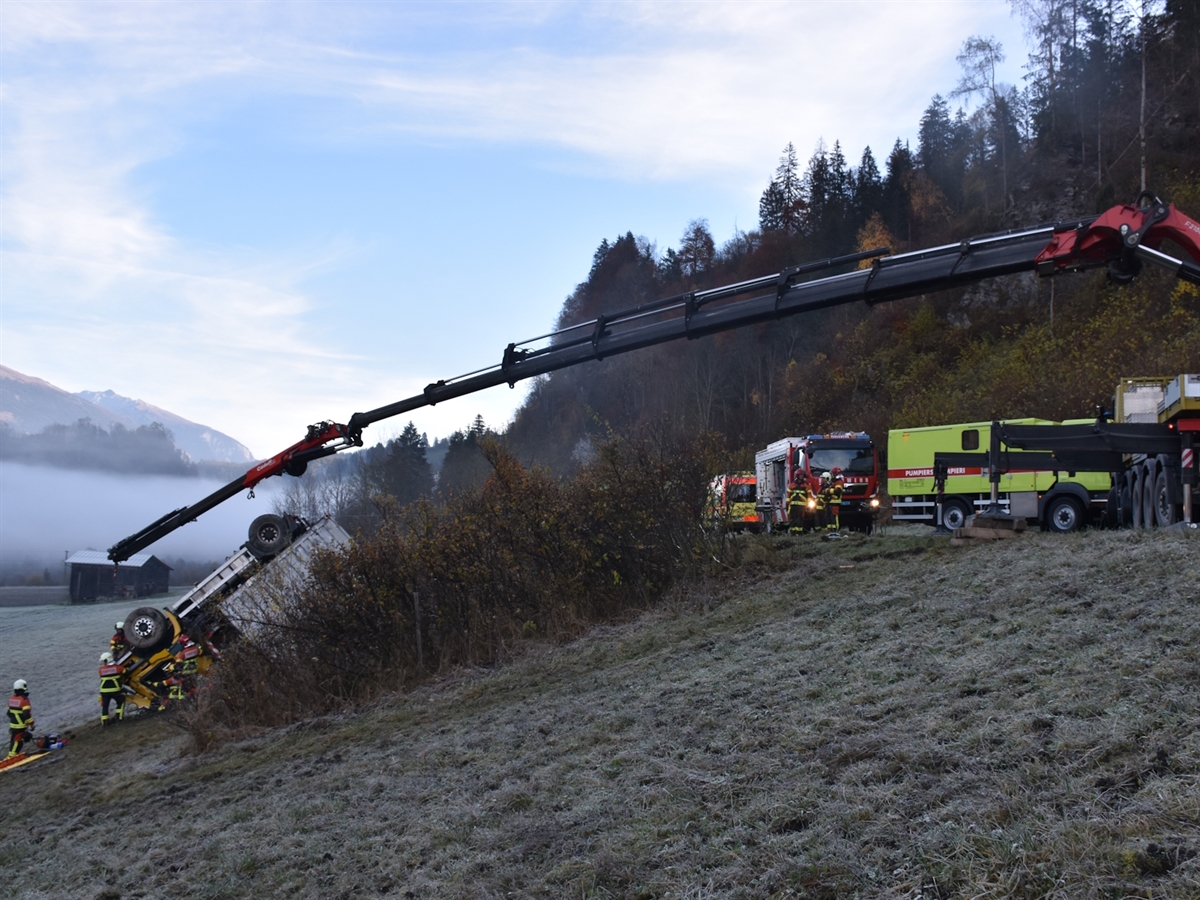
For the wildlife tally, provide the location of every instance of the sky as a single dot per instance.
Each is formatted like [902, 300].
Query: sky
[265, 215]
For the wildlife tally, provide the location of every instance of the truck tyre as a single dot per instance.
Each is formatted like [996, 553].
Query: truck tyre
[1126, 518]
[268, 535]
[1164, 510]
[1148, 497]
[147, 629]
[1112, 512]
[1135, 498]
[1063, 515]
[954, 513]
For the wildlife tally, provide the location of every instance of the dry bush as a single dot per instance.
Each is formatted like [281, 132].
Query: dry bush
[468, 583]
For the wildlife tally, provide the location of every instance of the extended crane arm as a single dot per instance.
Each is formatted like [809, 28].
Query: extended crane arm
[1121, 238]
[323, 439]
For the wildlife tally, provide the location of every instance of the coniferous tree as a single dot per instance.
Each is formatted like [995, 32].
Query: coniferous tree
[895, 190]
[868, 188]
[465, 468]
[781, 205]
[400, 469]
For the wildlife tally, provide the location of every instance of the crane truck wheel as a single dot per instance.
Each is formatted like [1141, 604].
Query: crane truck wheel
[1063, 515]
[1126, 507]
[268, 535]
[1148, 497]
[1112, 514]
[1164, 509]
[954, 513]
[1135, 498]
[147, 629]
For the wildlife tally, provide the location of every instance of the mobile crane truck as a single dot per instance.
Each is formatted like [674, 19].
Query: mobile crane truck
[1122, 239]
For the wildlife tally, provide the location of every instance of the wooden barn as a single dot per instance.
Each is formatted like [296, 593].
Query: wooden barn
[92, 576]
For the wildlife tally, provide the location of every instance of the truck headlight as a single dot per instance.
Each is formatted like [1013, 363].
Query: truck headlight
[812, 504]
[874, 503]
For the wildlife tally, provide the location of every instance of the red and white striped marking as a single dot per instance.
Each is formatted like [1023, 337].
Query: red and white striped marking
[1187, 458]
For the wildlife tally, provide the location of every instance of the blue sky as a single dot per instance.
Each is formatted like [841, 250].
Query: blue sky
[262, 215]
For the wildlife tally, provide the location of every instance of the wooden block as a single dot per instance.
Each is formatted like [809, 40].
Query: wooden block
[974, 532]
[1006, 523]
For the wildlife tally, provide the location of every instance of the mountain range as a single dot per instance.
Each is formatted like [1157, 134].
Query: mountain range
[29, 404]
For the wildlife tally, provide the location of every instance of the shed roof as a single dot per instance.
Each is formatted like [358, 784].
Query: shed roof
[99, 558]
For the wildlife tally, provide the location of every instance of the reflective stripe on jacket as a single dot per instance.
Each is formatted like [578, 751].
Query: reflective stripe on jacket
[110, 679]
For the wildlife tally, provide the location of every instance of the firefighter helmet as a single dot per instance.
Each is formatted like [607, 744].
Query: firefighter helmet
[106, 658]
[120, 626]
[837, 470]
[20, 685]
[825, 476]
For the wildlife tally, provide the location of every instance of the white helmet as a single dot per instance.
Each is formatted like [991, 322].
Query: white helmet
[106, 657]
[120, 626]
[20, 685]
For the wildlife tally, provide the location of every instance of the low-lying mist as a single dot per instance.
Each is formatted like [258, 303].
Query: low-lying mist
[45, 511]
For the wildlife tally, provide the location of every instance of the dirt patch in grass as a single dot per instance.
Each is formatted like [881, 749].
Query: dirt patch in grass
[876, 717]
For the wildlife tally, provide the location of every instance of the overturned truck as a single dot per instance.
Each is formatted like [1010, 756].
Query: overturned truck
[230, 601]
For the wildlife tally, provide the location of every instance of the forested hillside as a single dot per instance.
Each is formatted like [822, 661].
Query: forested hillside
[1111, 99]
[1111, 102]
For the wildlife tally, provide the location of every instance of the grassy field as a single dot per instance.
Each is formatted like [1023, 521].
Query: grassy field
[883, 717]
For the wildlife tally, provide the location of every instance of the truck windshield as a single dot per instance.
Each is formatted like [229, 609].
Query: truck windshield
[741, 493]
[851, 460]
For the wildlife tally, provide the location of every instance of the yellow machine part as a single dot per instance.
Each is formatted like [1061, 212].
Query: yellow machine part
[144, 695]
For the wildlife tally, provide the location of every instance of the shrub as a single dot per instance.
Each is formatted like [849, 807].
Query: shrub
[466, 583]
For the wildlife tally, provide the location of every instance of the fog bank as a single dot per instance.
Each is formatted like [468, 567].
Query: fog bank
[45, 511]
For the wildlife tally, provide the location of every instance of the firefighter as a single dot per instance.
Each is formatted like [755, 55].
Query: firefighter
[822, 495]
[797, 503]
[183, 668]
[837, 484]
[117, 645]
[20, 717]
[111, 690]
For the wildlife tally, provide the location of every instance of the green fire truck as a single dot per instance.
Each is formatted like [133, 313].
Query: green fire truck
[1061, 500]
[1134, 466]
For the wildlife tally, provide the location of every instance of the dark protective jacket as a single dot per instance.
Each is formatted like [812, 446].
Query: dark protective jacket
[110, 679]
[797, 499]
[20, 713]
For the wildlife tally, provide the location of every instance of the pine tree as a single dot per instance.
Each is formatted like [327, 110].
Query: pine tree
[781, 204]
[868, 188]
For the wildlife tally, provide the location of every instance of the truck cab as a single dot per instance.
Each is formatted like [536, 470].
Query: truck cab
[803, 460]
[732, 498]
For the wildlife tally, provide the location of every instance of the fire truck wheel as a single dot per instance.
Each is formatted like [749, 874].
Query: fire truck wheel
[268, 535]
[1063, 515]
[146, 629]
[1164, 509]
[955, 512]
